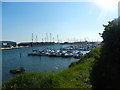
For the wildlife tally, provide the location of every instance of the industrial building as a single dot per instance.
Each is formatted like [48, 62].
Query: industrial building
[4, 44]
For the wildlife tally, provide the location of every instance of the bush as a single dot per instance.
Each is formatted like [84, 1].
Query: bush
[32, 80]
[106, 70]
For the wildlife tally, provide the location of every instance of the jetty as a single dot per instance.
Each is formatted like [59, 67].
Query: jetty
[73, 51]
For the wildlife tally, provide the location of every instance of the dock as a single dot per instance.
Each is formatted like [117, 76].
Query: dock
[67, 52]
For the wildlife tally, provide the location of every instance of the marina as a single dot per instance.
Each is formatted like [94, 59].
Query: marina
[60, 44]
[15, 59]
[43, 58]
[73, 51]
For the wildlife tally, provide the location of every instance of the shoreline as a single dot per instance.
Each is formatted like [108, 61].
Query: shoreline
[13, 48]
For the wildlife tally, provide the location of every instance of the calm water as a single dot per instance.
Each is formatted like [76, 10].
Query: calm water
[11, 60]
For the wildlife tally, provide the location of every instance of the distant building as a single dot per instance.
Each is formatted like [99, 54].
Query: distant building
[4, 44]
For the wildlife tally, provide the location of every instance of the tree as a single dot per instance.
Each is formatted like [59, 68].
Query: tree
[106, 71]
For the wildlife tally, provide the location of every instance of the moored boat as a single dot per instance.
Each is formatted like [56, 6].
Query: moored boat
[35, 53]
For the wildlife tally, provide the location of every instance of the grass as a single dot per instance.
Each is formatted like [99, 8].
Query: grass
[76, 76]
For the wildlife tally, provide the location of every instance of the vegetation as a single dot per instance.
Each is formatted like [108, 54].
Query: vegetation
[77, 76]
[105, 73]
[97, 69]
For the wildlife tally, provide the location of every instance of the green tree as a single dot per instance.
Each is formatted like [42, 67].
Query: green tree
[106, 70]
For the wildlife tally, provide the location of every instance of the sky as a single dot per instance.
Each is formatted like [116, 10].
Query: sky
[69, 20]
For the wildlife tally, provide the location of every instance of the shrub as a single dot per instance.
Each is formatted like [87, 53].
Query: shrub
[106, 70]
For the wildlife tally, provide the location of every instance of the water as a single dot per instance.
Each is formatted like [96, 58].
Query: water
[11, 60]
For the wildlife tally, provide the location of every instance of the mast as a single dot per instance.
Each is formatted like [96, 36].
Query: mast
[50, 37]
[36, 38]
[32, 37]
[53, 39]
[32, 40]
[46, 37]
[42, 39]
[57, 38]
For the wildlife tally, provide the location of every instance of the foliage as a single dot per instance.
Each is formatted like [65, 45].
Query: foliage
[106, 70]
[32, 80]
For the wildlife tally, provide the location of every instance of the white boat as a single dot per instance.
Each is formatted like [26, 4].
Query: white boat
[35, 53]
